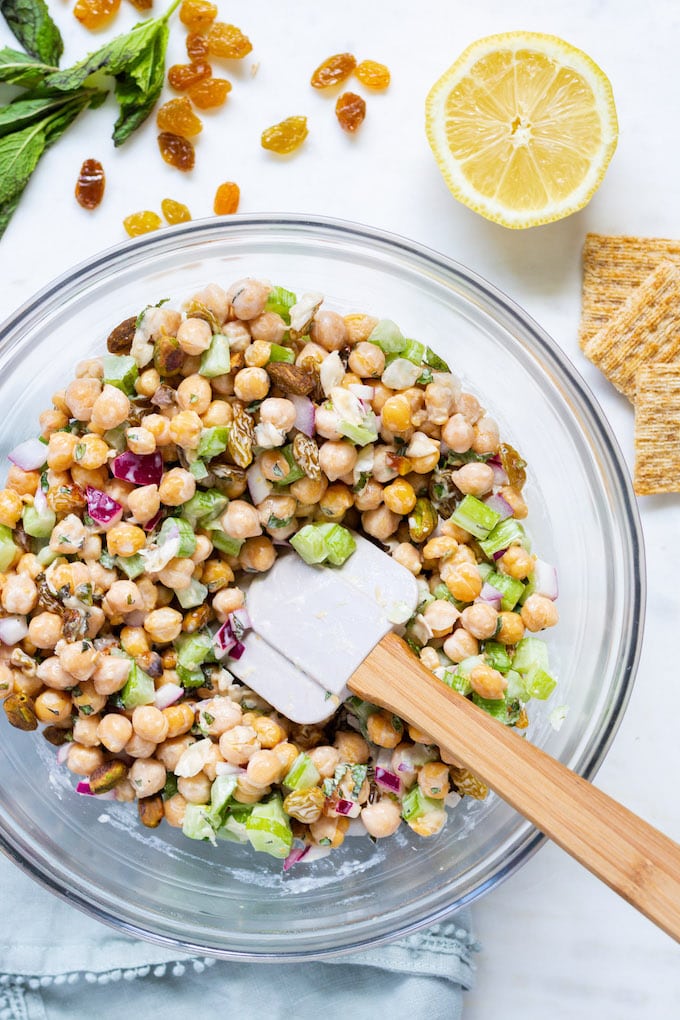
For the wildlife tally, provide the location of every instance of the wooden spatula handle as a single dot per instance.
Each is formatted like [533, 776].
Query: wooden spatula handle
[633, 858]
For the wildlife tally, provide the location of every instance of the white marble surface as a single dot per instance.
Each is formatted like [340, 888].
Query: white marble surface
[557, 943]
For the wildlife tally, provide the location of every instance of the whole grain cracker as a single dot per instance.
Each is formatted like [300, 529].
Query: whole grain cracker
[645, 329]
[657, 430]
[612, 268]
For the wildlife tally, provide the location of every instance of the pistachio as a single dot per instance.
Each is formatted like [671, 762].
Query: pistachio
[25, 663]
[20, 712]
[107, 775]
[150, 810]
[306, 454]
[291, 378]
[422, 520]
[56, 736]
[119, 340]
[164, 396]
[168, 356]
[151, 663]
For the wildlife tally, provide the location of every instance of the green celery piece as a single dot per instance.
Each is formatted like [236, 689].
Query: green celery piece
[281, 301]
[510, 588]
[457, 681]
[194, 649]
[187, 538]
[539, 684]
[268, 829]
[217, 359]
[505, 711]
[340, 544]
[32, 24]
[233, 830]
[497, 656]
[476, 517]
[190, 678]
[198, 470]
[484, 570]
[415, 804]
[530, 653]
[360, 435]
[18, 68]
[213, 442]
[132, 566]
[45, 556]
[116, 438]
[317, 543]
[8, 549]
[194, 595]
[502, 535]
[121, 371]
[139, 688]
[38, 525]
[310, 544]
[196, 824]
[225, 543]
[279, 353]
[516, 688]
[203, 505]
[362, 710]
[414, 351]
[389, 338]
[220, 793]
[302, 774]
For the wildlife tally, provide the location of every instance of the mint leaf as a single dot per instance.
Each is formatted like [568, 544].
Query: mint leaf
[25, 111]
[32, 24]
[19, 155]
[18, 68]
[138, 89]
[7, 210]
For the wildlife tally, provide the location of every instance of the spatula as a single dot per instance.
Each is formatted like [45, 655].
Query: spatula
[322, 633]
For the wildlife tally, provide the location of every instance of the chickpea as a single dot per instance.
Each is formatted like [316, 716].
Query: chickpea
[440, 617]
[382, 729]
[80, 397]
[60, 450]
[311, 352]
[458, 434]
[469, 407]
[53, 674]
[396, 413]
[329, 331]
[461, 645]
[194, 789]
[180, 719]
[194, 336]
[538, 612]
[238, 335]
[383, 467]
[248, 298]
[159, 427]
[239, 744]
[172, 749]
[370, 497]
[219, 413]
[84, 760]
[140, 440]
[257, 554]
[125, 539]
[475, 479]
[486, 436]
[336, 501]
[464, 582]
[123, 597]
[240, 520]
[216, 299]
[309, 490]
[337, 458]
[352, 747]
[367, 360]
[380, 523]
[147, 383]
[78, 658]
[19, 594]
[487, 682]
[329, 831]
[100, 578]
[177, 574]
[382, 818]
[110, 409]
[7, 677]
[408, 556]
[429, 658]
[516, 501]
[270, 733]
[11, 506]
[51, 421]
[137, 747]
[163, 625]
[226, 601]
[517, 562]
[53, 707]
[185, 430]
[258, 354]
[86, 699]
[194, 394]
[174, 810]
[144, 503]
[216, 574]
[149, 723]
[268, 327]
[251, 384]
[327, 423]
[85, 730]
[177, 487]
[399, 496]
[68, 536]
[264, 768]
[480, 620]
[218, 715]
[114, 731]
[147, 776]
[433, 779]
[44, 630]
[278, 412]
[511, 629]
[91, 452]
[25, 483]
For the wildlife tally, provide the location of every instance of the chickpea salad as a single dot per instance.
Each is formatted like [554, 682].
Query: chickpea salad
[199, 446]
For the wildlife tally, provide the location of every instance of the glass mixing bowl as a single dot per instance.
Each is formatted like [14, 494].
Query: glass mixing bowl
[231, 902]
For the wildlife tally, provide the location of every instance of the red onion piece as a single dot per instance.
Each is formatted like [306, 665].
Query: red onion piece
[13, 629]
[259, 487]
[223, 640]
[296, 854]
[545, 580]
[237, 651]
[62, 752]
[239, 621]
[167, 695]
[102, 508]
[40, 500]
[84, 787]
[490, 595]
[138, 468]
[29, 455]
[500, 505]
[499, 474]
[388, 780]
[501, 552]
[150, 525]
[344, 807]
[362, 392]
[304, 414]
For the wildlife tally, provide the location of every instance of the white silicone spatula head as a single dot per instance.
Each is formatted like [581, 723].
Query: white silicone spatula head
[312, 626]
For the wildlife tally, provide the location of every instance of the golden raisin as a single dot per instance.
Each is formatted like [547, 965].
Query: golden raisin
[350, 110]
[373, 75]
[178, 117]
[333, 70]
[228, 41]
[227, 198]
[177, 151]
[175, 212]
[210, 93]
[197, 47]
[142, 222]
[95, 13]
[286, 136]
[183, 76]
[142, 5]
[90, 184]
[197, 14]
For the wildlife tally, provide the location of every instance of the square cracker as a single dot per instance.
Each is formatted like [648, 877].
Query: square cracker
[646, 329]
[657, 430]
[612, 267]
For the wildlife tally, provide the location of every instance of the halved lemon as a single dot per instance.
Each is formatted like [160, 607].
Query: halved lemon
[523, 127]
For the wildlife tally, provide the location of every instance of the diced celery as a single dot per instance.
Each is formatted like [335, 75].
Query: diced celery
[203, 505]
[139, 688]
[198, 470]
[217, 359]
[509, 587]
[107, 560]
[340, 544]
[516, 687]
[539, 684]
[484, 570]
[504, 534]
[476, 517]
[303, 773]
[233, 830]
[187, 538]
[225, 543]
[196, 824]
[268, 828]
[362, 710]
[318, 543]
[38, 525]
[281, 301]
[194, 649]
[497, 656]
[387, 335]
[281, 354]
[220, 792]
[530, 653]
[121, 370]
[8, 549]
[414, 351]
[117, 439]
[132, 566]
[45, 556]
[190, 678]
[415, 804]
[194, 595]
[213, 442]
[506, 712]
[456, 680]
[360, 435]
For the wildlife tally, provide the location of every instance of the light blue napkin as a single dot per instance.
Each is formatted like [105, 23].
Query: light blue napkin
[58, 964]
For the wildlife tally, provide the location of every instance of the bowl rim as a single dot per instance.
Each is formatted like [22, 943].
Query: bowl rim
[492, 299]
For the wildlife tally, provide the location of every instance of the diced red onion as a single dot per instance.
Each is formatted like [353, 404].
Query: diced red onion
[501, 552]
[499, 474]
[167, 695]
[223, 640]
[138, 468]
[545, 580]
[29, 455]
[500, 505]
[316, 853]
[84, 787]
[62, 752]
[298, 853]
[259, 487]
[237, 651]
[13, 629]
[150, 525]
[102, 508]
[239, 621]
[304, 414]
[361, 391]
[40, 501]
[388, 780]
[344, 807]
[490, 595]
[225, 768]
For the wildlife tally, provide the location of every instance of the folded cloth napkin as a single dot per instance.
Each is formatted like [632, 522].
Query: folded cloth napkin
[58, 964]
